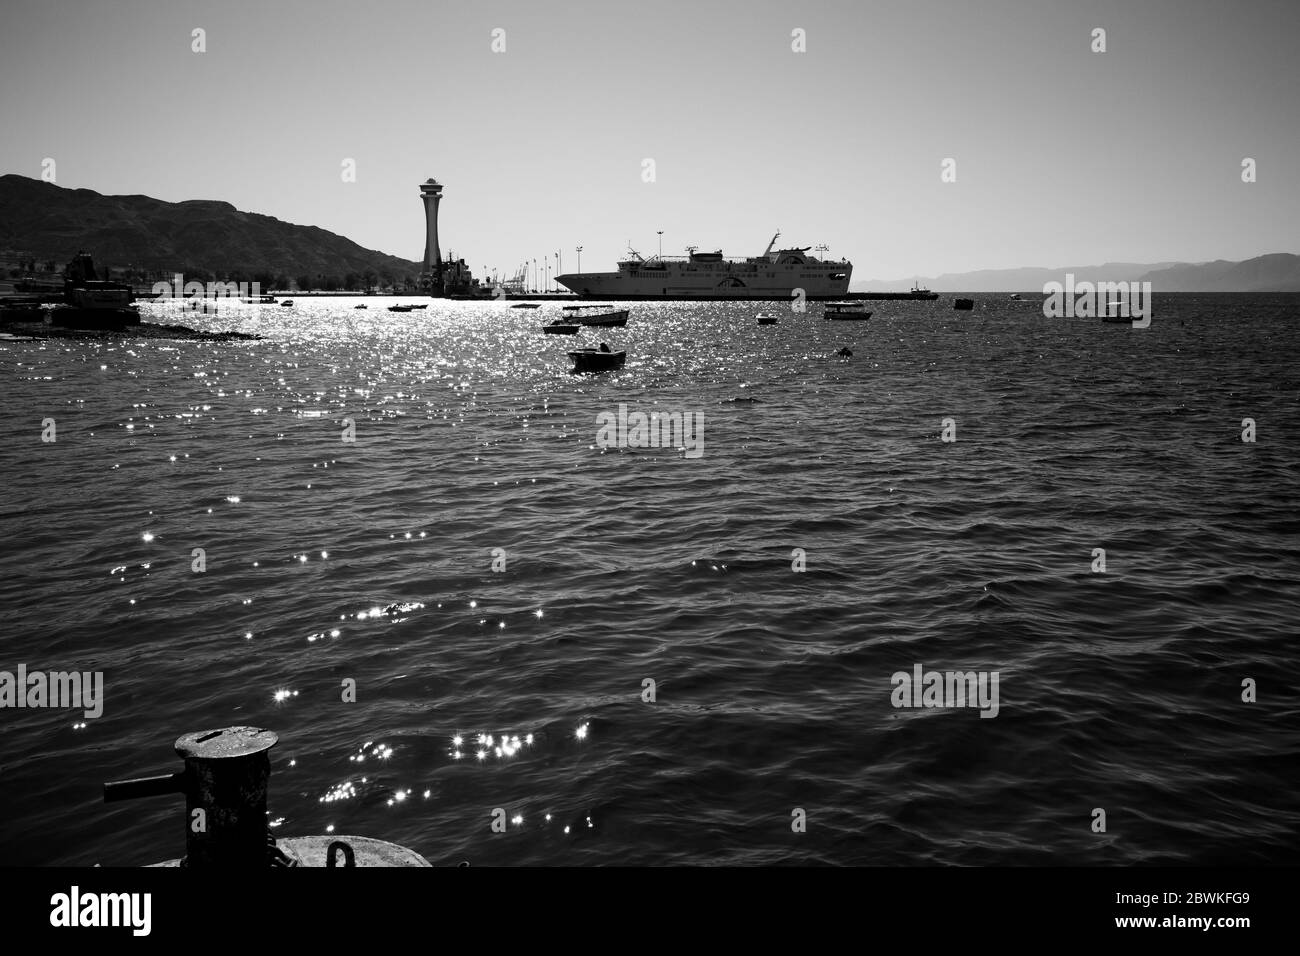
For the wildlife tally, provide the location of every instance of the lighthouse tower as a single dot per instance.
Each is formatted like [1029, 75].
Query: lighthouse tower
[431, 193]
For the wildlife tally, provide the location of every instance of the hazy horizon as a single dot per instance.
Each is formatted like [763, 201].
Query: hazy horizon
[1063, 156]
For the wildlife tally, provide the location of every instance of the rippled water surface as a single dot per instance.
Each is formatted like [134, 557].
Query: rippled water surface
[371, 561]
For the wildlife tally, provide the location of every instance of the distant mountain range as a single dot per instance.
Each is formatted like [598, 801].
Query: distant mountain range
[1277, 272]
[196, 237]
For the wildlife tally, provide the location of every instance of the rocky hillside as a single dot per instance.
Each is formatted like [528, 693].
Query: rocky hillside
[197, 238]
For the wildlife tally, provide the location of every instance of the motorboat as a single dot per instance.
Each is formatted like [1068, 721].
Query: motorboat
[767, 318]
[583, 316]
[597, 360]
[561, 327]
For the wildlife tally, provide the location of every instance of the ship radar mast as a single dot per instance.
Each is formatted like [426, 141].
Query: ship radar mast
[632, 252]
[768, 250]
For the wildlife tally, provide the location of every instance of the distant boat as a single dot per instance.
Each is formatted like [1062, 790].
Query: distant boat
[846, 311]
[918, 291]
[287, 302]
[361, 306]
[766, 318]
[560, 327]
[1116, 319]
[401, 308]
[1015, 295]
[526, 305]
[597, 360]
[963, 305]
[583, 315]
[422, 306]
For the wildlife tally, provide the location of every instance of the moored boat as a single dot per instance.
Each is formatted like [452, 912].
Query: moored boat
[593, 315]
[400, 308]
[88, 301]
[774, 275]
[767, 318]
[561, 327]
[287, 302]
[597, 360]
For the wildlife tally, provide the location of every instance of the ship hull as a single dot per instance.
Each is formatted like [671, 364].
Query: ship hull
[613, 287]
[754, 297]
[716, 284]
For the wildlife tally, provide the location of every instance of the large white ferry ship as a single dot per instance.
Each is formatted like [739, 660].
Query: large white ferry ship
[709, 275]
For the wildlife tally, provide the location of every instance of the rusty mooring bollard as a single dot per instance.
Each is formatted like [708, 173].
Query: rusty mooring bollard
[225, 782]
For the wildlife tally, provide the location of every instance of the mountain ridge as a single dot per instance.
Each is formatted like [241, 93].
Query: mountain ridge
[196, 237]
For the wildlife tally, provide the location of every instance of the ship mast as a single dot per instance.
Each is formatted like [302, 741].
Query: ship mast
[768, 250]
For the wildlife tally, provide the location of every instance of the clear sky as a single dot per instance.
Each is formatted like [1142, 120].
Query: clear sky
[1063, 156]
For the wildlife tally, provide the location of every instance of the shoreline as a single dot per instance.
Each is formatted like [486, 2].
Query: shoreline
[32, 331]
